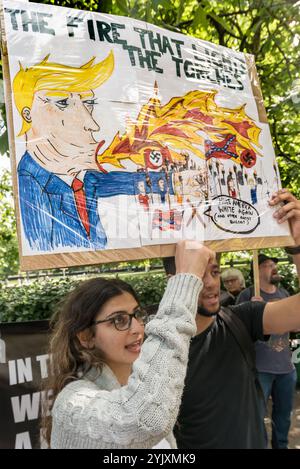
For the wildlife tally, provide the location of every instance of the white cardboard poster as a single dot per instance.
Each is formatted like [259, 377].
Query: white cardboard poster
[129, 135]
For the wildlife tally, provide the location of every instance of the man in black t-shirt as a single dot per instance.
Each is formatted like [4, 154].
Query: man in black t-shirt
[220, 404]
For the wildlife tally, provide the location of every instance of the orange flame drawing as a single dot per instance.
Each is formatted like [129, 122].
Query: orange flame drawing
[193, 122]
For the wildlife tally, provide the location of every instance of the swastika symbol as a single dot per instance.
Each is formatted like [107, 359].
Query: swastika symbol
[155, 157]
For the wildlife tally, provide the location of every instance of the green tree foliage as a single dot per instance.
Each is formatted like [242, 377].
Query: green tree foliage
[8, 238]
[40, 299]
[37, 300]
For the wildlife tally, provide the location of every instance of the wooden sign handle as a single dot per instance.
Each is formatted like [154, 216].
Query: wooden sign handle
[256, 274]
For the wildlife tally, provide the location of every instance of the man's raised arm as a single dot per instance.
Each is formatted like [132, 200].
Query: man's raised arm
[284, 315]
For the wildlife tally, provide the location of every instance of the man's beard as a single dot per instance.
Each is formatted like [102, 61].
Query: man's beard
[275, 279]
[203, 312]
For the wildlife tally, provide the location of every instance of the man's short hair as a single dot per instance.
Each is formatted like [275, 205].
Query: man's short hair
[169, 265]
[261, 259]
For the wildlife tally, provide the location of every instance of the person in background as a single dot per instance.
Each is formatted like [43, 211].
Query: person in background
[276, 372]
[234, 282]
[110, 388]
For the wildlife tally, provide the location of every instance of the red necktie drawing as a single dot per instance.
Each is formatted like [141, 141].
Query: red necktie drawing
[80, 200]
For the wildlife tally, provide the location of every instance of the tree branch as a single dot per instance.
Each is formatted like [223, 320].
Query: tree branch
[278, 147]
[287, 62]
[235, 13]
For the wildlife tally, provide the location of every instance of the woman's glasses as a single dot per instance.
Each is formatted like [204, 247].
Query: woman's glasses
[122, 321]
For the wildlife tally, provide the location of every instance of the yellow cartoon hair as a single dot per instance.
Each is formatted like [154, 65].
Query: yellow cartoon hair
[54, 76]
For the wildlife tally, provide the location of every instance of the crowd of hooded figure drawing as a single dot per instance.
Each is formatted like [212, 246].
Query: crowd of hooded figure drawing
[253, 191]
[231, 187]
[64, 172]
[239, 182]
[162, 190]
[143, 197]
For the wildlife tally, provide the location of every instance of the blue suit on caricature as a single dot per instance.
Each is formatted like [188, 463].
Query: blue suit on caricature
[49, 215]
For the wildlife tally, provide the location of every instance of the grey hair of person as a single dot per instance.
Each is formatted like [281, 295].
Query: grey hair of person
[232, 272]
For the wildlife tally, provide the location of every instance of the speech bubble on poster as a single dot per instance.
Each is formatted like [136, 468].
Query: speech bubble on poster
[233, 215]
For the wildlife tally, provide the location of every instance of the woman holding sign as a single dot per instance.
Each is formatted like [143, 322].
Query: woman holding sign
[111, 389]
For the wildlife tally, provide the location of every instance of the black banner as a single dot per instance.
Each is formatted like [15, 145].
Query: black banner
[23, 366]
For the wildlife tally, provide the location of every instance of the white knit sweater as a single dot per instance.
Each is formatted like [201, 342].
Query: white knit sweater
[98, 413]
